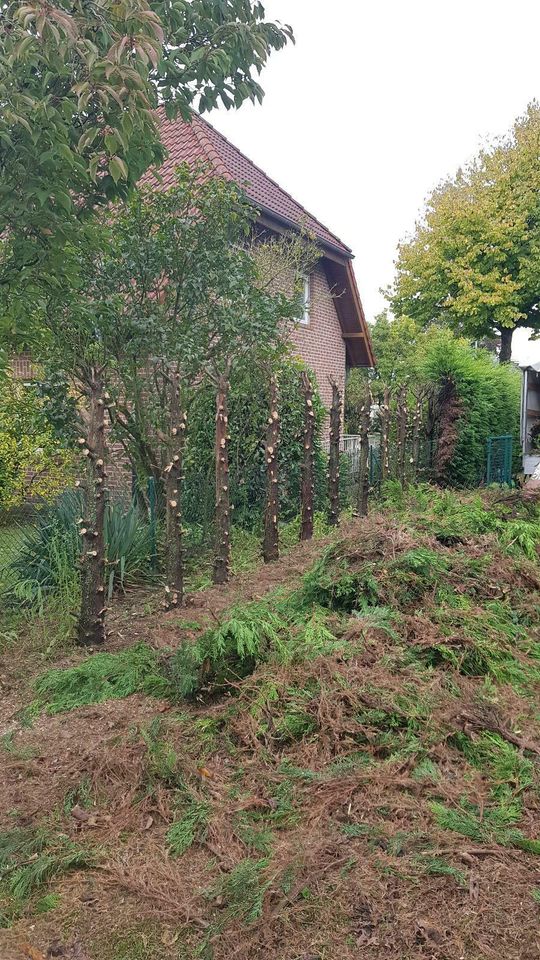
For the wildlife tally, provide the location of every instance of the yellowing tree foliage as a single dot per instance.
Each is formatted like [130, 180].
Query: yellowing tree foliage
[473, 262]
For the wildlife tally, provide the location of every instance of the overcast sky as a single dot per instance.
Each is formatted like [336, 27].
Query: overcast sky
[379, 101]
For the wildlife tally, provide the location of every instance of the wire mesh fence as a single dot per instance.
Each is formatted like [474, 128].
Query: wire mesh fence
[499, 456]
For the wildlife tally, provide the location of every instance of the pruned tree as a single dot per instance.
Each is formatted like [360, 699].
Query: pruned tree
[79, 333]
[333, 459]
[173, 473]
[385, 435]
[222, 550]
[271, 513]
[307, 491]
[363, 468]
[415, 434]
[91, 626]
[401, 434]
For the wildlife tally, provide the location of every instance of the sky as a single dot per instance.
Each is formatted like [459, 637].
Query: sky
[377, 102]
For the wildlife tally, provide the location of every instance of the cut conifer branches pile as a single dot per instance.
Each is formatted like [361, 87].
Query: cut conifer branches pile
[347, 766]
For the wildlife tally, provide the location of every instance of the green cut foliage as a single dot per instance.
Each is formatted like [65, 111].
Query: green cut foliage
[104, 676]
[243, 890]
[190, 827]
[492, 825]
[441, 868]
[30, 858]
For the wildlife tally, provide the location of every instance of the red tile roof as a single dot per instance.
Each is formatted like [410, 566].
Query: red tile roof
[199, 141]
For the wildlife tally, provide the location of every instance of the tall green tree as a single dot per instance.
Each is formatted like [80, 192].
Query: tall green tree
[79, 84]
[473, 262]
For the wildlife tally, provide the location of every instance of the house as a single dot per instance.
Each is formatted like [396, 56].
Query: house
[333, 334]
[530, 418]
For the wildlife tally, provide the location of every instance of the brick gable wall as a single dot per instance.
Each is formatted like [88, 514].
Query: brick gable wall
[320, 343]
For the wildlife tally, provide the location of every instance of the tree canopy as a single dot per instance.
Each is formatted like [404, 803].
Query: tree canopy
[79, 84]
[473, 262]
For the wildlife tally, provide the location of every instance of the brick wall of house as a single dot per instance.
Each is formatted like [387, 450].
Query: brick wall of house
[319, 343]
[21, 367]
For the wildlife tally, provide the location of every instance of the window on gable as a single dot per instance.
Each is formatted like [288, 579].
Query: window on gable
[307, 301]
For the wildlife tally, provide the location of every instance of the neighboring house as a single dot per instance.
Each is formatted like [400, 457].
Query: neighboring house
[530, 418]
[333, 334]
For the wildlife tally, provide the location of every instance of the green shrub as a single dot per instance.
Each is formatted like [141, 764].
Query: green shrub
[48, 555]
[33, 462]
[488, 394]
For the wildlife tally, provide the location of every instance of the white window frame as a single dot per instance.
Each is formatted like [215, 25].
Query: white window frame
[306, 314]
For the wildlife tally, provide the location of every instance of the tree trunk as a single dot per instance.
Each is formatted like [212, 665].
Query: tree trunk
[222, 556]
[333, 460]
[401, 448]
[91, 626]
[415, 444]
[385, 436]
[308, 471]
[363, 472]
[271, 518]
[505, 353]
[173, 476]
[450, 411]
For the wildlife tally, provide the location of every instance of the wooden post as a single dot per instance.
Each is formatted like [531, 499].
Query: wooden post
[363, 475]
[308, 465]
[222, 556]
[91, 626]
[271, 518]
[173, 476]
[333, 460]
[401, 447]
[385, 435]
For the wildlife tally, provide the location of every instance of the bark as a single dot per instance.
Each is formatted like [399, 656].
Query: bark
[271, 518]
[450, 410]
[363, 471]
[308, 464]
[385, 436]
[505, 354]
[401, 447]
[172, 479]
[415, 443]
[91, 626]
[333, 461]
[222, 554]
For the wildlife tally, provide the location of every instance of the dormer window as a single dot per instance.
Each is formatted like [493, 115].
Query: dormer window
[307, 301]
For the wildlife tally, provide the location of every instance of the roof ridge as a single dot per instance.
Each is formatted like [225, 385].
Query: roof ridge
[203, 121]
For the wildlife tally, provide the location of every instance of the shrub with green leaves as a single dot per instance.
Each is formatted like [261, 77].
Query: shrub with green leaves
[34, 464]
[48, 556]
